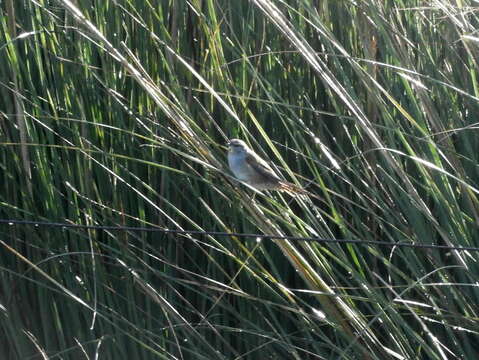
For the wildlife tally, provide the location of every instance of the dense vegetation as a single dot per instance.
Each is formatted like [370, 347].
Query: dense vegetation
[116, 112]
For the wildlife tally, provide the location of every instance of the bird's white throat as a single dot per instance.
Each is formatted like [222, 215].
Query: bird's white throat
[236, 161]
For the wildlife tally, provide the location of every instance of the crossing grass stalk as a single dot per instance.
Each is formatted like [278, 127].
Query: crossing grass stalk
[117, 113]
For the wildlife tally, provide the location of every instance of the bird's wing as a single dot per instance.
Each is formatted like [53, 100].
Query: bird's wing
[261, 167]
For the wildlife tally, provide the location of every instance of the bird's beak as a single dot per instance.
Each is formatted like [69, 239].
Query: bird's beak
[226, 146]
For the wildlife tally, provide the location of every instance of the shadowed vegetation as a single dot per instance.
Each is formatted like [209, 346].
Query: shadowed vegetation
[117, 113]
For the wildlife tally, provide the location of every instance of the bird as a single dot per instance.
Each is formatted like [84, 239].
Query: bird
[249, 167]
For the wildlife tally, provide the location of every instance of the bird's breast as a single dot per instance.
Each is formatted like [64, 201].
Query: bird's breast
[239, 167]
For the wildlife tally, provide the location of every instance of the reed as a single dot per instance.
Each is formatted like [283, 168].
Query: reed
[117, 113]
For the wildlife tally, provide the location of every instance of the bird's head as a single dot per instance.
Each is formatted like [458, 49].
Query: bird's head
[237, 146]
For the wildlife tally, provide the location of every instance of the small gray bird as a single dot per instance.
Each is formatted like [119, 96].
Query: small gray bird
[250, 168]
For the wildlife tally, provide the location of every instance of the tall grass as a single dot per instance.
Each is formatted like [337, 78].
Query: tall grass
[117, 112]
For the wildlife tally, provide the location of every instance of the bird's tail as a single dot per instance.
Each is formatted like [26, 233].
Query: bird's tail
[287, 186]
